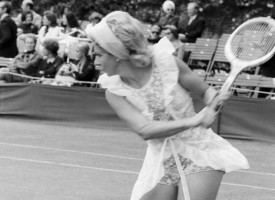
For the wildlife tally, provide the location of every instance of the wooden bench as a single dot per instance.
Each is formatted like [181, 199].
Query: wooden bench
[244, 85]
[204, 51]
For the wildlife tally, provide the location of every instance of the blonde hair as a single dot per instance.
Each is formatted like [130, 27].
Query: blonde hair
[132, 34]
[84, 48]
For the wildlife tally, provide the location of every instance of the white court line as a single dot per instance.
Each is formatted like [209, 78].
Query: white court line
[259, 173]
[115, 171]
[68, 165]
[109, 155]
[249, 186]
[70, 151]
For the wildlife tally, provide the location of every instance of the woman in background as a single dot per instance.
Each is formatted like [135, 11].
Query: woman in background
[27, 25]
[85, 67]
[50, 29]
[51, 62]
[25, 63]
[168, 17]
[71, 25]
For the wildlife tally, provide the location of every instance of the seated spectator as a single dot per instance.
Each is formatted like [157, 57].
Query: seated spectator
[85, 66]
[50, 29]
[27, 25]
[171, 32]
[168, 17]
[154, 36]
[51, 62]
[195, 26]
[25, 63]
[71, 25]
[267, 69]
[27, 6]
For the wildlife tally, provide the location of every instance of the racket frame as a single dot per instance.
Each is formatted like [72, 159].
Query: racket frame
[238, 65]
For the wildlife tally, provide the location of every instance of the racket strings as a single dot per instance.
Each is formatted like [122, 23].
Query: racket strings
[253, 41]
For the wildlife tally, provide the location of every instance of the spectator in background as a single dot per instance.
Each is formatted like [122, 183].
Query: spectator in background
[168, 17]
[24, 63]
[27, 6]
[51, 62]
[50, 29]
[71, 25]
[171, 32]
[27, 25]
[267, 69]
[85, 66]
[8, 31]
[154, 36]
[195, 26]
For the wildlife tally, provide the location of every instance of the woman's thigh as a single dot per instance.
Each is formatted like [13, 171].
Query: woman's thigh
[203, 185]
[162, 192]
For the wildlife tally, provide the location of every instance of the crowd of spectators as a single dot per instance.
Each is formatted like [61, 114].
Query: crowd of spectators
[42, 36]
[38, 39]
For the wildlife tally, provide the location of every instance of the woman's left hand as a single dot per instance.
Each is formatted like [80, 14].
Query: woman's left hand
[209, 117]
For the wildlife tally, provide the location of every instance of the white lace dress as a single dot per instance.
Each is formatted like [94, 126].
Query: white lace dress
[163, 99]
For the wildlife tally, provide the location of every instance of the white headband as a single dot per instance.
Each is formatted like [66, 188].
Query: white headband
[105, 37]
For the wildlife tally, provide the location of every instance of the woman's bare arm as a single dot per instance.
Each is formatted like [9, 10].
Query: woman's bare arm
[148, 129]
[190, 81]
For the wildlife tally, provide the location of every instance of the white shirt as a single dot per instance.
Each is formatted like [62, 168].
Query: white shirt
[3, 16]
[192, 19]
[53, 32]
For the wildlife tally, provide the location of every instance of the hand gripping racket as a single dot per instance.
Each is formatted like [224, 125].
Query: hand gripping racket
[251, 44]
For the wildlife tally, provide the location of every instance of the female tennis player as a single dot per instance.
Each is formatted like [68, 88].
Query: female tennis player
[149, 89]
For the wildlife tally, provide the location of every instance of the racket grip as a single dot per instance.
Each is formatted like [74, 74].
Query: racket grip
[218, 102]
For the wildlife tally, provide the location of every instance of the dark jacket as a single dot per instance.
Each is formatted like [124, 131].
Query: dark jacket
[28, 28]
[194, 30]
[8, 35]
[49, 70]
[267, 69]
[87, 72]
[27, 63]
[168, 20]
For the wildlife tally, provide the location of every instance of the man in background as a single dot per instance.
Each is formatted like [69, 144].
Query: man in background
[8, 31]
[195, 25]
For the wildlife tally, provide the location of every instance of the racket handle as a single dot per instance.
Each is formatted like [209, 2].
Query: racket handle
[218, 101]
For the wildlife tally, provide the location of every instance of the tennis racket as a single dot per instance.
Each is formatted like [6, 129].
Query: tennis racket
[251, 44]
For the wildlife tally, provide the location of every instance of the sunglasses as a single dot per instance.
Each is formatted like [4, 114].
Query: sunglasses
[154, 32]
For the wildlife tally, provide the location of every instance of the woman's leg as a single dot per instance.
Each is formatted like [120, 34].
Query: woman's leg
[203, 185]
[162, 192]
